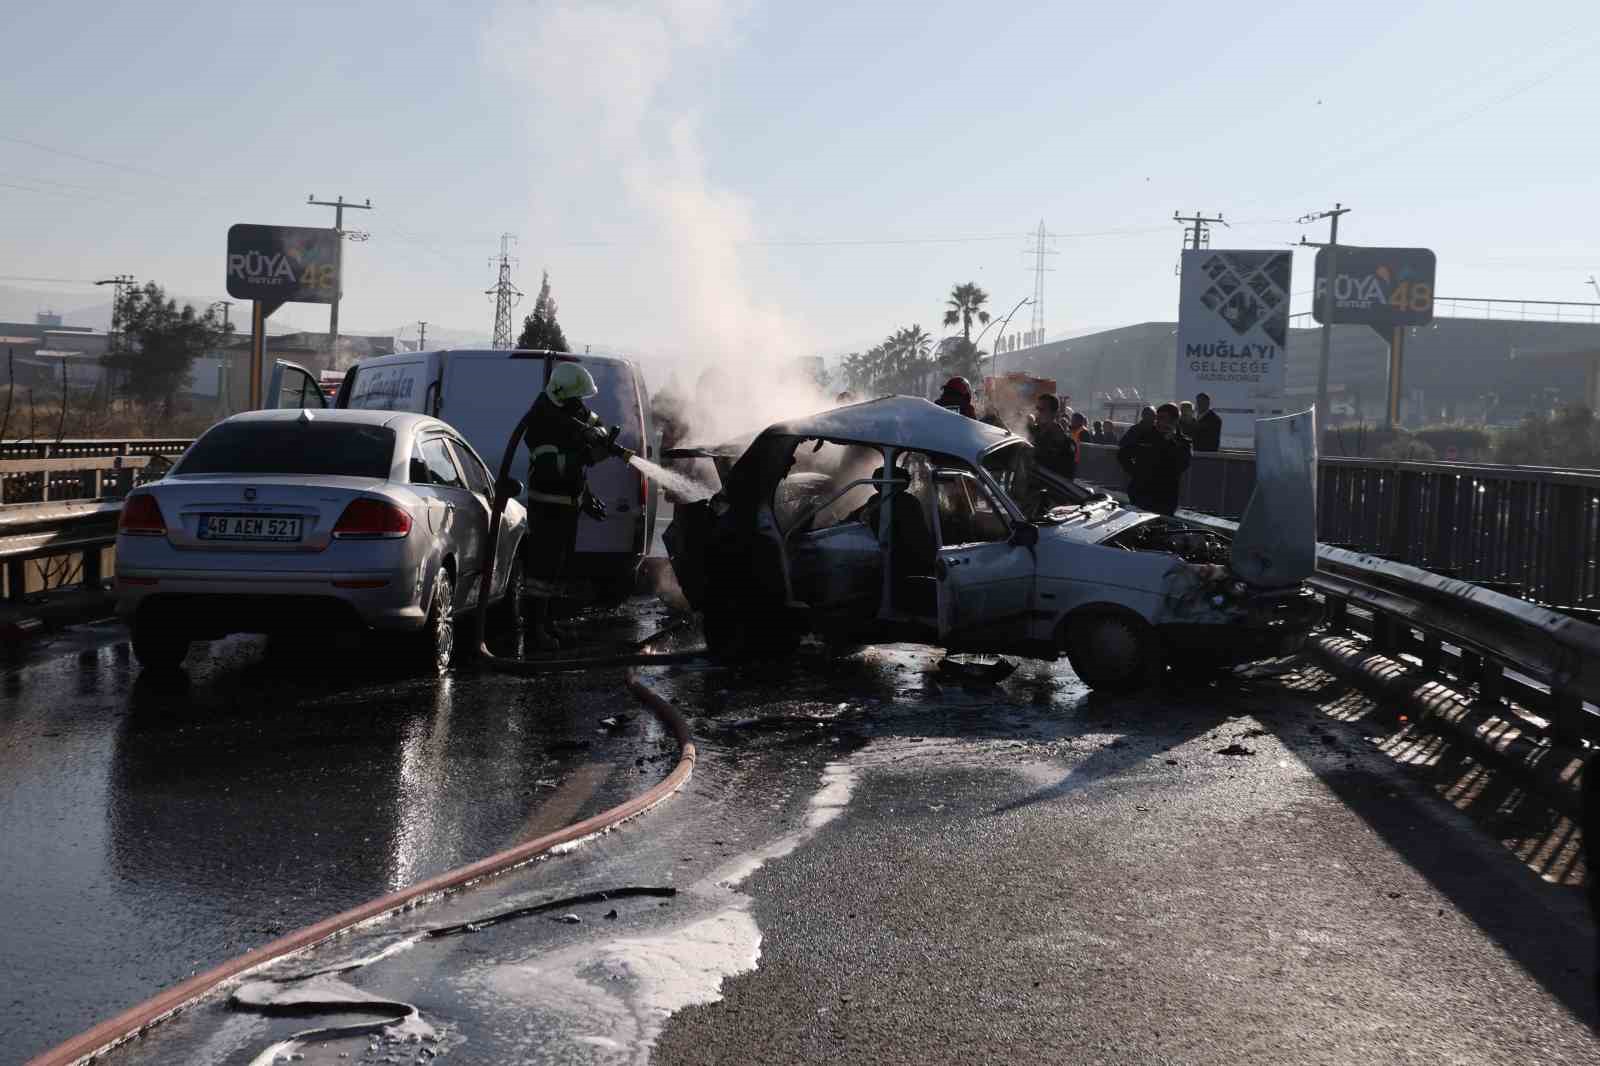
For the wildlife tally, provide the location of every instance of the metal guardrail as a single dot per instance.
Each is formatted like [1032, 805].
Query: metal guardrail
[1545, 663]
[42, 471]
[1533, 528]
[33, 532]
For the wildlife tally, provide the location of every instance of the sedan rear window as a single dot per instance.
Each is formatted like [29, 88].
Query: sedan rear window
[292, 447]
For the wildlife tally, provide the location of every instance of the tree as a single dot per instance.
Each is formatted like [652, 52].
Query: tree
[540, 330]
[963, 359]
[159, 343]
[965, 304]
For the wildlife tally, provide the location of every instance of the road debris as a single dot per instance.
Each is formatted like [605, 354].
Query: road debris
[1235, 749]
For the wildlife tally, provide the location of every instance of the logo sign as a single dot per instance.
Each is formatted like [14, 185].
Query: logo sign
[1384, 288]
[283, 264]
[1233, 324]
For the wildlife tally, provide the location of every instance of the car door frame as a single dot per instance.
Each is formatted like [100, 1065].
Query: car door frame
[283, 370]
[461, 506]
[1001, 575]
[506, 547]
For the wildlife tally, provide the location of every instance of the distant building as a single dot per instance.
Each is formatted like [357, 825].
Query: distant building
[1455, 369]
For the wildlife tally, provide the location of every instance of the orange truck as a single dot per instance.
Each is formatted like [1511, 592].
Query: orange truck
[1012, 396]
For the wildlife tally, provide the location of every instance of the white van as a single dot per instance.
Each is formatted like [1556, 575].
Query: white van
[483, 393]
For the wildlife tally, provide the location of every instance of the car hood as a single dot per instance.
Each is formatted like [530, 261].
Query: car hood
[1096, 522]
[1276, 542]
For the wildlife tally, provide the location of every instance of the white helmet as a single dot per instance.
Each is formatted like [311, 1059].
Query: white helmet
[569, 381]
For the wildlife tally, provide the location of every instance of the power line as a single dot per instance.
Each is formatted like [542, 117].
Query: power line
[130, 168]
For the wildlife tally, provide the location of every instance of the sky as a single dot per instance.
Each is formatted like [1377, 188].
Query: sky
[716, 179]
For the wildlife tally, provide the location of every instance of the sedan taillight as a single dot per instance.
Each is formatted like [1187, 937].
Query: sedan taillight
[141, 517]
[372, 520]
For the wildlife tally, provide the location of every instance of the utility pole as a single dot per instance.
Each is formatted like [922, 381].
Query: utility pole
[422, 336]
[1198, 228]
[1595, 283]
[1327, 298]
[506, 295]
[338, 268]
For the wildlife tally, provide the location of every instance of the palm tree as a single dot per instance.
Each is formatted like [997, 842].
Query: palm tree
[965, 304]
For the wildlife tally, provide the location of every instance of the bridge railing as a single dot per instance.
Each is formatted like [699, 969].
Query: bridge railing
[59, 502]
[1527, 530]
[45, 471]
[1537, 667]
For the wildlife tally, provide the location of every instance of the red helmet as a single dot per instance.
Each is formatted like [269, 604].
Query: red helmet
[959, 386]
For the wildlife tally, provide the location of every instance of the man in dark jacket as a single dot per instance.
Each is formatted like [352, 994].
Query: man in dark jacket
[1207, 425]
[564, 439]
[1155, 458]
[1053, 444]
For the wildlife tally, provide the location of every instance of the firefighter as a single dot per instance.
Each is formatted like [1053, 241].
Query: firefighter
[564, 439]
[957, 396]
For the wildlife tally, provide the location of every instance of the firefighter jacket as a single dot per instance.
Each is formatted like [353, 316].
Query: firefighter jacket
[561, 445]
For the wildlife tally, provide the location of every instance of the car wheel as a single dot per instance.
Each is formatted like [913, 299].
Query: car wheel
[437, 641]
[1113, 652]
[159, 647]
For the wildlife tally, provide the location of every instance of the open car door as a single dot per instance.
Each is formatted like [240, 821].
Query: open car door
[985, 570]
[293, 386]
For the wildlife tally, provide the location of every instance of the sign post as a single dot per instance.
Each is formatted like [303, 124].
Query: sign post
[1389, 289]
[1233, 323]
[274, 265]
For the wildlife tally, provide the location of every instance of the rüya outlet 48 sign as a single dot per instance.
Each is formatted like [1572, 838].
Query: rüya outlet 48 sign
[1384, 288]
[283, 264]
[1233, 324]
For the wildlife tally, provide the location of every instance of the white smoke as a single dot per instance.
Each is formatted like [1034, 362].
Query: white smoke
[607, 81]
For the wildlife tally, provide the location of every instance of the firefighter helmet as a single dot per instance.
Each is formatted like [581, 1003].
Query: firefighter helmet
[569, 381]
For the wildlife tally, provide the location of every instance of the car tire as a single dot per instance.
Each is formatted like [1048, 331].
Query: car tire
[506, 616]
[1113, 652]
[159, 647]
[436, 643]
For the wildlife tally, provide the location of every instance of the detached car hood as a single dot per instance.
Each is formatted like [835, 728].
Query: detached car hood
[1276, 542]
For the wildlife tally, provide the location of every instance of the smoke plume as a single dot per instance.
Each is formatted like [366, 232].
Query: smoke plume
[613, 83]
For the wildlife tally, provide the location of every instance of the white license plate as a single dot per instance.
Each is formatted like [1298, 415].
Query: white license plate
[249, 527]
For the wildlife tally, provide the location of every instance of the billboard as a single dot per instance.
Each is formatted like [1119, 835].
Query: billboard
[1384, 288]
[283, 264]
[1233, 325]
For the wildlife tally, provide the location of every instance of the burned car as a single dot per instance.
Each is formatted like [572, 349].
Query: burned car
[897, 520]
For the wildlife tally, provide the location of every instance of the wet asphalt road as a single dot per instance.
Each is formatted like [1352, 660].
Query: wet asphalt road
[149, 831]
[875, 865]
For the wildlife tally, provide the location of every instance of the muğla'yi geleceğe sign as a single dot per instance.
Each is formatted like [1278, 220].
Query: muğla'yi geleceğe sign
[283, 264]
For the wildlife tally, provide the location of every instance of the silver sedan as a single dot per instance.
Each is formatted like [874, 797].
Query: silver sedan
[306, 521]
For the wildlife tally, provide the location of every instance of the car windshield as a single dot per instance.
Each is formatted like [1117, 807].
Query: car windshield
[1036, 492]
[349, 449]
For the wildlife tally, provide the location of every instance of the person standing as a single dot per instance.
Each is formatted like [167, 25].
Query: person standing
[1053, 442]
[564, 438]
[1147, 420]
[957, 396]
[1186, 418]
[1155, 457]
[1080, 427]
[1207, 425]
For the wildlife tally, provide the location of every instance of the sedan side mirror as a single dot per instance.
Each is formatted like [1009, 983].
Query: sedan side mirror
[1025, 535]
[510, 488]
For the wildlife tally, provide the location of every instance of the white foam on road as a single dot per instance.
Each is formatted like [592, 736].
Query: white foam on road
[614, 997]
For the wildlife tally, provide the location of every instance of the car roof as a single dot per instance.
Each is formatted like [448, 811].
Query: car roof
[396, 420]
[508, 353]
[903, 421]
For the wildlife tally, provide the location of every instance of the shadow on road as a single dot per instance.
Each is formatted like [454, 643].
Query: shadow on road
[1525, 894]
